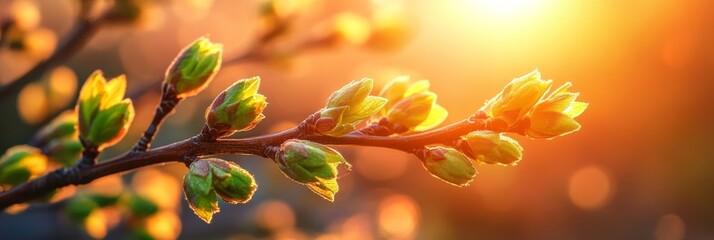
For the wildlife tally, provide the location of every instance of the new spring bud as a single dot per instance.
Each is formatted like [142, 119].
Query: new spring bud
[104, 117]
[347, 107]
[411, 106]
[21, 163]
[351, 94]
[312, 164]
[140, 206]
[231, 182]
[194, 68]
[79, 208]
[64, 151]
[492, 148]
[517, 98]
[238, 108]
[63, 126]
[208, 177]
[198, 189]
[449, 165]
[555, 115]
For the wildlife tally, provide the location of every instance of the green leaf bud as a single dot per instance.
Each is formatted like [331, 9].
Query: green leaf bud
[79, 208]
[111, 124]
[64, 151]
[231, 182]
[351, 94]
[412, 111]
[238, 108]
[449, 165]
[347, 107]
[104, 118]
[63, 126]
[198, 189]
[142, 207]
[411, 107]
[21, 163]
[312, 164]
[194, 68]
[492, 148]
[103, 199]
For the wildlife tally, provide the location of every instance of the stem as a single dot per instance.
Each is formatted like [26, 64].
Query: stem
[82, 32]
[89, 155]
[195, 147]
[165, 108]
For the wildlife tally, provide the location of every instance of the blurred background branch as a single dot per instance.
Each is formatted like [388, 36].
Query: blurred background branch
[82, 32]
[87, 24]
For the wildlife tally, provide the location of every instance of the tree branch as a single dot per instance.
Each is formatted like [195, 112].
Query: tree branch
[80, 35]
[189, 149]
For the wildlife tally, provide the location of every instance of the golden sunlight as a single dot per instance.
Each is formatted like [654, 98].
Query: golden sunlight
[590, 188]
[504, 8]
[164, 225]
[159, 187]
[398, 217]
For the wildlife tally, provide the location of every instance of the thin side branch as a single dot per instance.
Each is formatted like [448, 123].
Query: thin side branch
[196, 147]
[165, 108]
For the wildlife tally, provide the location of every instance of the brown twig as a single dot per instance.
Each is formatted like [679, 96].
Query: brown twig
[169, 100]
[189, 149]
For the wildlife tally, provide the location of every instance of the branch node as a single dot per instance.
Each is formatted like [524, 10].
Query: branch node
[206, 135]
[188, 159]
[307, 126]
[89, 155]
[379, 128]
[269, 151]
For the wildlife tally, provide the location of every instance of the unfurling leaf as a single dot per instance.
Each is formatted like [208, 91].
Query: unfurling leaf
[523, 108]
[104, 118]
[449, 165]
[410, 107]
[111, 124]
[326, 188]
[517, 98]
[555, 115]
[208, 177]
[198, 189]
[347, 107]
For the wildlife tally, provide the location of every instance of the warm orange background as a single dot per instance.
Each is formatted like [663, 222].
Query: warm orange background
[640, 168]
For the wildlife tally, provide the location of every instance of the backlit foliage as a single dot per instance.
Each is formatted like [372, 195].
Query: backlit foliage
[403, 110]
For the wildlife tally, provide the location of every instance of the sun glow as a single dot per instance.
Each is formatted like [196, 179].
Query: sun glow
[506, 9]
